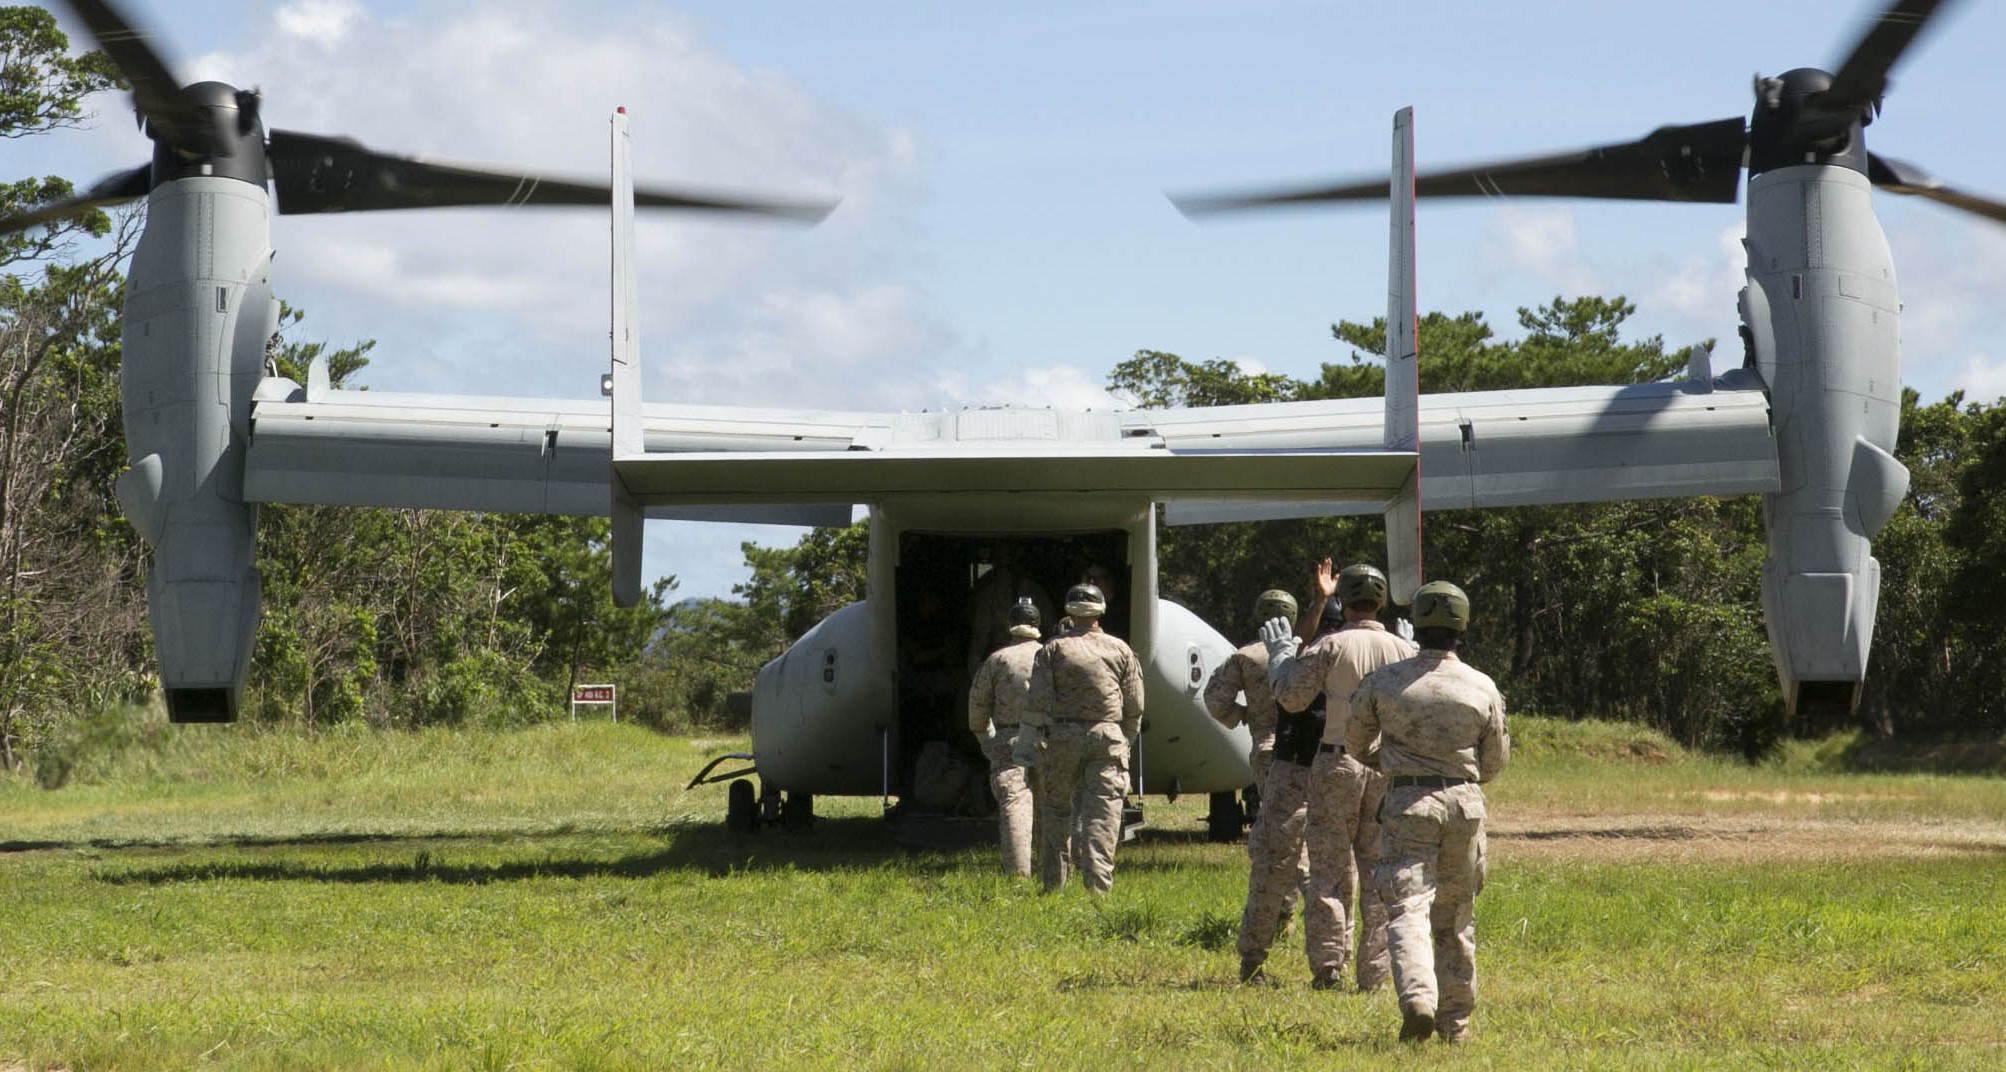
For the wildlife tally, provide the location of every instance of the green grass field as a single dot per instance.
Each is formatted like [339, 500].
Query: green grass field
[219, 897]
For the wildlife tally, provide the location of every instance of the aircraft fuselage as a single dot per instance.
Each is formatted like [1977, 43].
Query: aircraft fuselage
[849, 707]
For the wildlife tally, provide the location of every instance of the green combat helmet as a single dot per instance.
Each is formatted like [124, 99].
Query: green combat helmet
[1024, 618]
[1361, 583]
[1275, 603]
[1441, 605]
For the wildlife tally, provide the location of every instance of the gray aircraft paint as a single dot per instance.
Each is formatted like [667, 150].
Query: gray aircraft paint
[198, 314]
[1822, 307]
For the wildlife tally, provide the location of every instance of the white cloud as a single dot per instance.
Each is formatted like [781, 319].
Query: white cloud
[321, 22]
[871, 345]
[1698, 286]
[1953, 322]
[1055, 386]
[1543, 242]
[1982, 378]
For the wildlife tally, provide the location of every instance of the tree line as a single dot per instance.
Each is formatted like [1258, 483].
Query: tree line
[1644, 611]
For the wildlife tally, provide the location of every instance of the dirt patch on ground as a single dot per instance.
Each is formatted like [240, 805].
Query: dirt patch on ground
[1737, 838]
[1787, 796]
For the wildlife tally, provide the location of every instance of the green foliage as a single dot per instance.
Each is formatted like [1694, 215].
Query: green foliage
[1153, 379]
[42, 88]
[708, 651]
[71, 636]
[292, 356]
[795, 587]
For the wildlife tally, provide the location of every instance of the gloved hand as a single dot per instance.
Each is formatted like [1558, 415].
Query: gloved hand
[1024, 750]
[1280, 636]
[1404, 628]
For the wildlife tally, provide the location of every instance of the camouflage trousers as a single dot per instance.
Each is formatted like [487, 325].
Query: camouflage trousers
[1430, 869]
[1274, 857]
[1342, 836]
[1011, 787]
[1082, 773]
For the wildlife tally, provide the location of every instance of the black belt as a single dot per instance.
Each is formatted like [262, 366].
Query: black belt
[1432, 781]
[1338, 748]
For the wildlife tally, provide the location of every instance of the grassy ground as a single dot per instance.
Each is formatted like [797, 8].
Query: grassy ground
[553, 899]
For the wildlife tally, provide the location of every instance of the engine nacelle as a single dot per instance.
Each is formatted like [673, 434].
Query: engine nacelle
[1822, 309]
[197, 320]
[822, 711]
[1183, 746]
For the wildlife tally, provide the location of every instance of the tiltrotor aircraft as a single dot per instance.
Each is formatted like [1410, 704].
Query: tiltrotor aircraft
[1057, 494]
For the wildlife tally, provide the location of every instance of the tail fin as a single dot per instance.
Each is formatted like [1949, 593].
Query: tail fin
[624, 384]
[1403, 376]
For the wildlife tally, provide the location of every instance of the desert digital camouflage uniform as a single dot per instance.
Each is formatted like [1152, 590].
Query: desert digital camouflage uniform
[1086, 693]
[1341, 830]
[1001, 694]
[1436, 728]
[1246, 671]
[1274, 860]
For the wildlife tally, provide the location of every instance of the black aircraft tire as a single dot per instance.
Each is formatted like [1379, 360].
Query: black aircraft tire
[798, 811]
[741, 807]
[1223, 821]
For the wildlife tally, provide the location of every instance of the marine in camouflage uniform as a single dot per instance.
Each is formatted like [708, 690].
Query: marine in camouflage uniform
[1246, 672]
[1342, 829]
[999, 698]
[1275, 844]
[1086, 694]
[1276, 867]
[1436, 728]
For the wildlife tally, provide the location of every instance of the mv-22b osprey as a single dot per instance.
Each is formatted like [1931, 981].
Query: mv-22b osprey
[849, 707]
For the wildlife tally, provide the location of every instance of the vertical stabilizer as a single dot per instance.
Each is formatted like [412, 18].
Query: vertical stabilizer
[624, 385]
[1403, 374]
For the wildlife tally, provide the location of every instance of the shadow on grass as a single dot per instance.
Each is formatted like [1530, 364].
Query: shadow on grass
[1627, 833]
[832, 844]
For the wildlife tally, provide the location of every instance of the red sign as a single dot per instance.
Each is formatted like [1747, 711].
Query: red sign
[592, 694]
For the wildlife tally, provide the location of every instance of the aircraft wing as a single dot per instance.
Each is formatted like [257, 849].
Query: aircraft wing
[505, 455]
[1513, 448]
[728, 463]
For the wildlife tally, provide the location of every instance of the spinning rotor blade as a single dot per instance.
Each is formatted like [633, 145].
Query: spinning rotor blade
[311, 173]
[1899, 177]
[1693, 162]
[115, 188]
[1863, 78]
[171, 114]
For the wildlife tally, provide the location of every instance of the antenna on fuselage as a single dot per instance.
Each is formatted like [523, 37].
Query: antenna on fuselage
[623, 383]
[1403, 370]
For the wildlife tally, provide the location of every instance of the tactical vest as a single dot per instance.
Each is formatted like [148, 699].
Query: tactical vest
[1297, 733]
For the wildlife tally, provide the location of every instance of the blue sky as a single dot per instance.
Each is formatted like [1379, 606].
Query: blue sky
[1003, 235]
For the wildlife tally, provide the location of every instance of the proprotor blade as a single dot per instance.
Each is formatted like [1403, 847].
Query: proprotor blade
[1692, 162]
[1900, 177]
[115, 188]
[1863, 77]
[171, 114]
[311, 173]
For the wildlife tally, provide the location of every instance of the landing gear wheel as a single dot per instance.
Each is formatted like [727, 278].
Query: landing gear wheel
[741, 807]
[1222, 822]
[798, 812]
